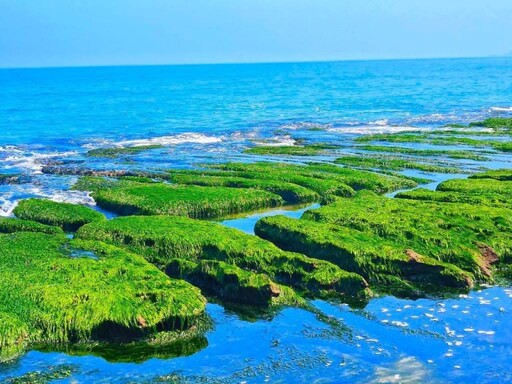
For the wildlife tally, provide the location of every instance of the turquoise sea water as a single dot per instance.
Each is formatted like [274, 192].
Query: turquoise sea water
[210, 114]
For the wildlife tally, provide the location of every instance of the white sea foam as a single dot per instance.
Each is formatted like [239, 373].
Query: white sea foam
[500, 109]
[380, 123]
[306, 125]
[31, 162]
[374, 129]
[161, 140]
[7, 205]
[277, 141]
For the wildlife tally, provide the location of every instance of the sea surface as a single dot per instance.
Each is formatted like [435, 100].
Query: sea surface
[211, 113]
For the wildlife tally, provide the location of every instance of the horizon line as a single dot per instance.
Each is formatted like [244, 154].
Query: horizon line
[254, 62]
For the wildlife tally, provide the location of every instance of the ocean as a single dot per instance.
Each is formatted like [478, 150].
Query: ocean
[209, 113]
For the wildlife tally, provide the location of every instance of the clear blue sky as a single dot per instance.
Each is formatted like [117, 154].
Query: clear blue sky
[113, 32]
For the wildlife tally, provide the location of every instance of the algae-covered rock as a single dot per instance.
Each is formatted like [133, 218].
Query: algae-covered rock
[56, 290]
[376, 259]
[120, 151]
[292, 150]
[290, 192]
[325, 179]
[452, 233]
[491, 189]
[394, 163]
[11, 225]
[494, 122]
[69, 217]
[234, 188]
[447, 244]
[127, 197]
[163, 239]
[232, 284]
[451, 153]
[497, 174]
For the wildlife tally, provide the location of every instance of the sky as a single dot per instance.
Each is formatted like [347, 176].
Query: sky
[40, 33]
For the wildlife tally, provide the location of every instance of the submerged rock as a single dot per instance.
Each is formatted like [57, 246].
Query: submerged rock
[82, 171]
[14, 179]
[47, 296]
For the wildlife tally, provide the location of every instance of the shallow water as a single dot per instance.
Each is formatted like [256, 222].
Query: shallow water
[208, 114]
[463, 339]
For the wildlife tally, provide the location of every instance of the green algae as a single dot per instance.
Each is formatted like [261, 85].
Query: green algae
[232, 284]
[11, 225]
[289, 192]
[163, 240]
[120, 151]
[458, 234]
[325, 179]
[452, 154]
[407, 244]
[484, 191]
[69, 217]
[497, 174]
[48, 296]
[292, 150]
[232, 188]
[393, 163]
[436, 140]
[127, 197]
[378, 260]
[494, 122]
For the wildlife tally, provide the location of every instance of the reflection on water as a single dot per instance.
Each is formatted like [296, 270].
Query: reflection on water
[463, 339]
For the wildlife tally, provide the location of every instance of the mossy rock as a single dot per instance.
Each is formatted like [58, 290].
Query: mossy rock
[291, 193]
[492, 189]
[377, 260]
[233, 284]
[120, 151]
[497, 174]
[455, 233]
[126, 197]
[231, 188]
[394, 163]
[325, 179]
[440, 138]
[57, 290]
[451, 244]
[494, 122]
[163, 239]
[69, 217]
[11, 225]
[292, 150]
[452, 154]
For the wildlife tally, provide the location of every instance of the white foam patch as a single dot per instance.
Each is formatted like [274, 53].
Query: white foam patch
[500, 109]
[277, 142]
[8, 202]
[162, 140]
[7, 205]
[32, 162]
[375, 129]
[306, 125]
[380, 123]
